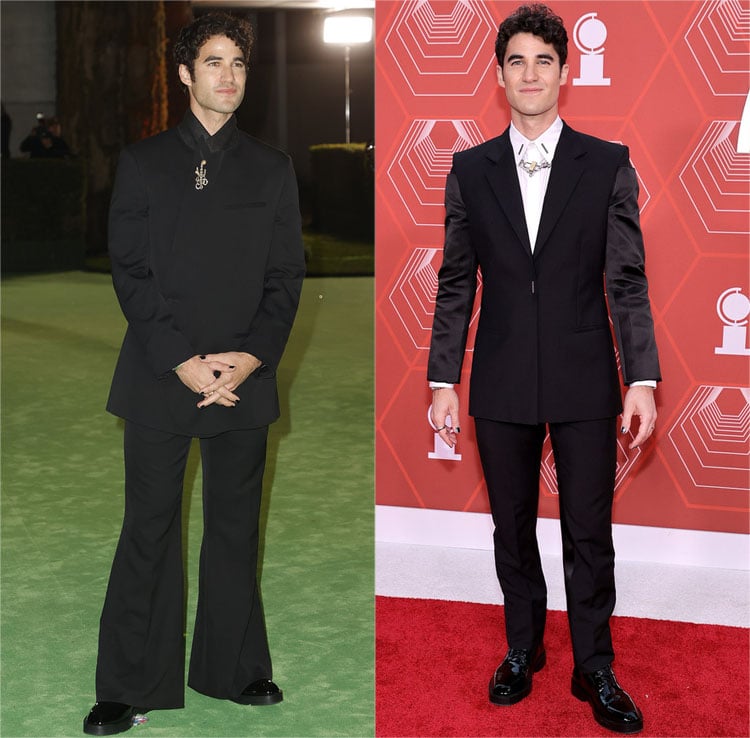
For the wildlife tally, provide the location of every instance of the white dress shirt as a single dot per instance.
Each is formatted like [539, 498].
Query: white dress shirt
[534, 186]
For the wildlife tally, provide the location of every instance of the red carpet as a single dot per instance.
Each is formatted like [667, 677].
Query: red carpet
[434, 661]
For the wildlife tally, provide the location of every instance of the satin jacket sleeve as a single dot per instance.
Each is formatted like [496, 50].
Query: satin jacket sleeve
[627, 286]
[456, 291]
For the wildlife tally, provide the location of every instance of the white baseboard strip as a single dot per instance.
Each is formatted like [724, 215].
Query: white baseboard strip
[632, 542]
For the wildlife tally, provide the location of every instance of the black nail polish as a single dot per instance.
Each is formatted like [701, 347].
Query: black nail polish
[217, 373]
[202, 356]
[231, 366]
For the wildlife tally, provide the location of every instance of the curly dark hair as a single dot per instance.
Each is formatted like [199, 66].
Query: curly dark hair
[192, 37]
[538, 20]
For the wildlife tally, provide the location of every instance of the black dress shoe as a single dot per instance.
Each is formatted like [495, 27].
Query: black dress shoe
[613, 707]
[260, 692]
[108, 718]
[512, 679]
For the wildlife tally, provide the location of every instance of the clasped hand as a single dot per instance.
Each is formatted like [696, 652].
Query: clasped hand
[216, 376]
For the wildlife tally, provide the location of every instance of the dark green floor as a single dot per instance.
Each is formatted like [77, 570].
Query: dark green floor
[62, 507]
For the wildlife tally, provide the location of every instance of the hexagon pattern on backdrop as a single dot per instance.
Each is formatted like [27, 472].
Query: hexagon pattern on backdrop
[677, 104]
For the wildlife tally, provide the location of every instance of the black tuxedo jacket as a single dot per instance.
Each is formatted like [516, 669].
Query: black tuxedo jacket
[200, 271]
[544, 350]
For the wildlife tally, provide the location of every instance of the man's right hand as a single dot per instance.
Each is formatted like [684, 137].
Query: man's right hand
[196, 374]
[445, 406]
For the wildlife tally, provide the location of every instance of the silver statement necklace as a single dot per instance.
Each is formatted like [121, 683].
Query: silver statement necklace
[532, 167]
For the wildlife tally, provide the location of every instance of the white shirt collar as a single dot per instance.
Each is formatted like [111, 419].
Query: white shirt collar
[545, 144]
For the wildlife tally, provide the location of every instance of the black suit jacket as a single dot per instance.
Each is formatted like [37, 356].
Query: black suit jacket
[202, 271]
[544, 350]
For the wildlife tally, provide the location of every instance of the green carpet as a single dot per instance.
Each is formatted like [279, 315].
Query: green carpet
[62, 502]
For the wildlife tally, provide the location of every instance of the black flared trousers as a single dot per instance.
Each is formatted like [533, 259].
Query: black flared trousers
[141, 657]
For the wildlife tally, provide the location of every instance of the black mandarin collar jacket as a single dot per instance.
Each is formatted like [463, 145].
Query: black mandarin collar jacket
[202, 270]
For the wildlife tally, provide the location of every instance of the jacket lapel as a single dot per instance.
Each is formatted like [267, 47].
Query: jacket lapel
[503, 179]
[567, 168]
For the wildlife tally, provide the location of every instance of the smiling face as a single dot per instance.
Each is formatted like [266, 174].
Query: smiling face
[531, 76]
[218, 82]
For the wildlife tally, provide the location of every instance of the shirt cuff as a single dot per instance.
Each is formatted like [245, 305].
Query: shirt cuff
[441, 385]
[644, 383]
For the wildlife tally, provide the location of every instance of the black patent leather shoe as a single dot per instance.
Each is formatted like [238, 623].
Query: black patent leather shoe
[108, 718]
[511, 681]
[613, 707]
[260, 692]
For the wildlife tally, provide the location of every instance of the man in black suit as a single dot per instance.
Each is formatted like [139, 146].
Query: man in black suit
[207, 263]
[547, 214]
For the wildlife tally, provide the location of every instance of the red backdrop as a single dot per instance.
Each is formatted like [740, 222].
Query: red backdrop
[669, 79]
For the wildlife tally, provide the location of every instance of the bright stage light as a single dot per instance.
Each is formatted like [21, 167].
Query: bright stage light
[347, 29]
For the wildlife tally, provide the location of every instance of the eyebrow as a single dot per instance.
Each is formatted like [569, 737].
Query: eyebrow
[513, 57]
[213, 57]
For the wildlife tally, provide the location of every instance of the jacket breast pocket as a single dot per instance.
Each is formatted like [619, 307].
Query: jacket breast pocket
[248, 217]
[245, 205]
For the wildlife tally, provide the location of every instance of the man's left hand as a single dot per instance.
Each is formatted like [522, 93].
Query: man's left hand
[639, 401]
[237, 367]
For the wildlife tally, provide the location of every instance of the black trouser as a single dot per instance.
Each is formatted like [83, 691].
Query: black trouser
[585, 456]
[141, 640]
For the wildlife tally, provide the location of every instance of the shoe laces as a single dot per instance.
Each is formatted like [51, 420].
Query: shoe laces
[605, 682]
[518, 656]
